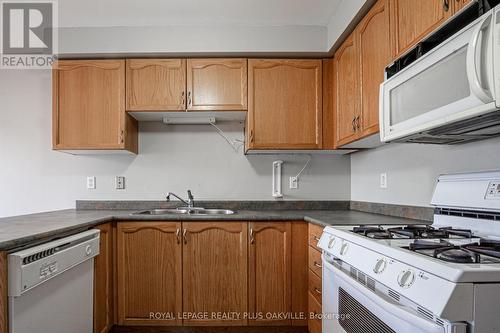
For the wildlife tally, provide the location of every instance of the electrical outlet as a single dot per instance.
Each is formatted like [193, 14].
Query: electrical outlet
[294, 183]
[120, 182]
[383, 180]
[91, 183]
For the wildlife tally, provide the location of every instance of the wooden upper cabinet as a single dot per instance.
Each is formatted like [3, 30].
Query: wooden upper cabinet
[415, 19]
[284, 104]
[270, 266]
[216, 84]
[103, 281]
[459, 4]
[347, 91]
[149, 272]
[89, 106]
[375, 53]
[156, 84]
[215, 271]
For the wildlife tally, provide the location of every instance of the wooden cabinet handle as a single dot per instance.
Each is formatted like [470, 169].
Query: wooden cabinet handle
[446, 5]
[184, 236]
[354, 124]
[358, 122]
[317, 291]
[183, 103]
[189, 99]
[251, 136]
[319, 265]
[122, 134]
[316, 238]
[178, 235]
[252, 238]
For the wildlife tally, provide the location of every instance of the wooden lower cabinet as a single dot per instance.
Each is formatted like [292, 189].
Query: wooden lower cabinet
[149, 259]
[315, 325]
[270, 272]
[4, 327]
[214, 271]
[103, 281]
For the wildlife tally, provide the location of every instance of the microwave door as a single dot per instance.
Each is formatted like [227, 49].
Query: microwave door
[439, 88]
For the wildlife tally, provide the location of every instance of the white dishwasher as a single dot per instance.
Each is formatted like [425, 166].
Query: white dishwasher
[51, 286]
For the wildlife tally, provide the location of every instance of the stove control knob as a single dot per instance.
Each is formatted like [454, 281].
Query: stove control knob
[380, 266]
[406, 278]
[344, 248]
[331, 242]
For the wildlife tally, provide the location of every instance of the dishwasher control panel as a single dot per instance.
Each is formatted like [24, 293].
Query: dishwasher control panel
[33, 266]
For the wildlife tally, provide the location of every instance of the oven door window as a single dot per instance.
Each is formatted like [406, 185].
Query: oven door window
[360, 310]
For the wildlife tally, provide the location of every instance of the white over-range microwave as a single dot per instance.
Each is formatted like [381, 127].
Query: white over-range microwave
[452, 94]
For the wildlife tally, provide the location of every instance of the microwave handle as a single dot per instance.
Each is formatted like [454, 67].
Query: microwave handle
[472, 62]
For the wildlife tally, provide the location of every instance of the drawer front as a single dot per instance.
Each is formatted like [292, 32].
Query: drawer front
[315, 232]
[315, 261]
[315, 286]
[314, 324]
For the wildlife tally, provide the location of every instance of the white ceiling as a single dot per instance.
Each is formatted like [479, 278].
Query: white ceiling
[133, 13]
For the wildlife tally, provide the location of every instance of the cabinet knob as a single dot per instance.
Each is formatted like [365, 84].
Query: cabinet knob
[184, 236]
[446, 5]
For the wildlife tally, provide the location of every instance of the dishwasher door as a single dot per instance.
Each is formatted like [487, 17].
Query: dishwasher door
[61, 305]
[51, 286]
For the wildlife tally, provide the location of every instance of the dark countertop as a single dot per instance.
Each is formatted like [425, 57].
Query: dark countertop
[22, 230]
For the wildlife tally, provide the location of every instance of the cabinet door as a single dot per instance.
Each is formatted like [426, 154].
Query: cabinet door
[415, 19]
[375, 53]
[459, 4]
[156, 84]
[284, 104]
[149, 273]
[215, 271]
[217, 84]
[103, 281]
[347, 86]
[89, 106]
[270, 272]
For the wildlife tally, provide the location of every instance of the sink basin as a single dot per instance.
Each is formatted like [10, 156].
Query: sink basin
[162, 212]
[182, 211]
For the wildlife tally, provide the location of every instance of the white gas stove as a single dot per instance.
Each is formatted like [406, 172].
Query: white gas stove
[417, 278]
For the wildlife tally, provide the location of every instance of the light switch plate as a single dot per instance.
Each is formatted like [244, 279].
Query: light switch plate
[383, 180]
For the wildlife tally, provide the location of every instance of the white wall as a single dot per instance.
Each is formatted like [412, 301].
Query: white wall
[345, 12]
[412, 169]
[34, 178]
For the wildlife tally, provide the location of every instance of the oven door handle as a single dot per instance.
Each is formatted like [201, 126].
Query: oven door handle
[396, 310]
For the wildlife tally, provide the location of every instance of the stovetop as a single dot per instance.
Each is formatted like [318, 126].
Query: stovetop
[448, 244]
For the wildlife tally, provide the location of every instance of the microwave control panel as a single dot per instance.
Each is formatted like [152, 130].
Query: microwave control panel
[493, 191]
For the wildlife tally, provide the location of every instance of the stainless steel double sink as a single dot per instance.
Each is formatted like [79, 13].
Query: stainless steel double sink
[186, 211]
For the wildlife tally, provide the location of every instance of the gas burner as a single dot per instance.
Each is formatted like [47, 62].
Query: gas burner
[416, 232]
[484, 251]
[372, 232]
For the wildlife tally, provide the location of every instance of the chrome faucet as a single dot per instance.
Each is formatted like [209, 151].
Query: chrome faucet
[189, 202]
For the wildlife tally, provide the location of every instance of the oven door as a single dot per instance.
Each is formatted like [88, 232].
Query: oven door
[349, 307]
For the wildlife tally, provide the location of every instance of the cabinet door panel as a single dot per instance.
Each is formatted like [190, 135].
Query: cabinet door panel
[149, 272]
[415, 19]
[217, 84]
[347, 84]
[89, 104]
[374, 44]
[156, 84]
[270, 271]
[285, 104]
[215, 271]
[103, 281]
